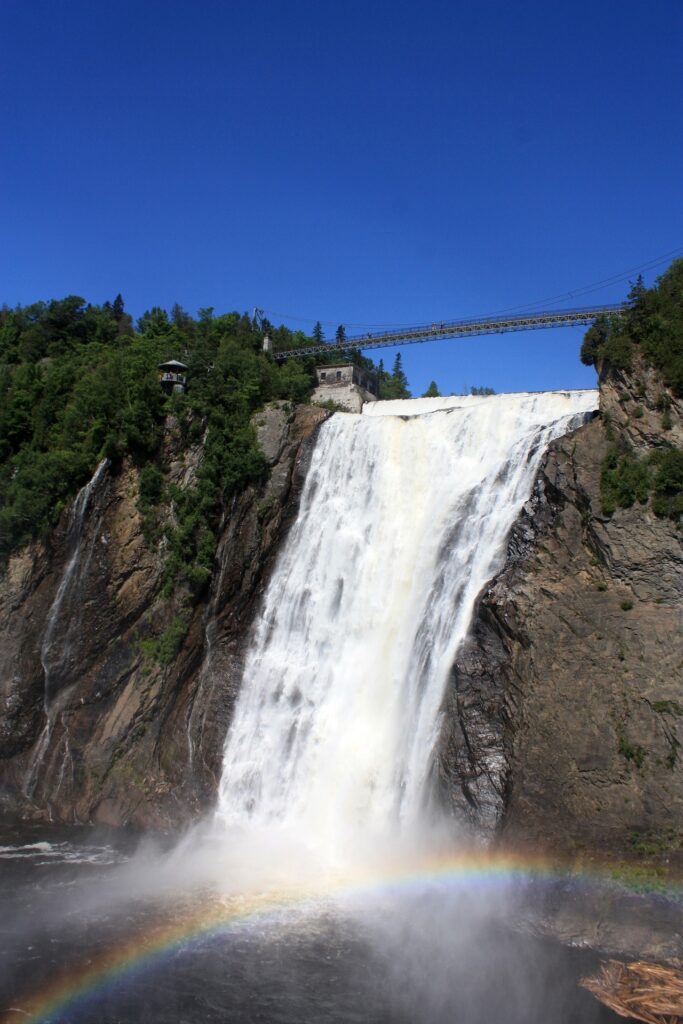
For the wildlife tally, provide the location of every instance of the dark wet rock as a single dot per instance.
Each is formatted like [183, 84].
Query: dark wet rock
[605, 917]
[563, 721]
[126, 740]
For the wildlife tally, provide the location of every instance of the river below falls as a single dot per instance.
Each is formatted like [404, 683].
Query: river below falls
[75, 947]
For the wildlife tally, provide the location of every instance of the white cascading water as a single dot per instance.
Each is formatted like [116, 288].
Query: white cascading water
[58, 635]
[55, 639]
[403, 519]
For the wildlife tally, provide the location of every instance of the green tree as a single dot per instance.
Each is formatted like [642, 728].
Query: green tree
[154, 322]
[395, 384]
[340, 335]
[318, 335]
[594, 340]
[117, 307]
[400, 379]
[183, 320]
[78, 384]
[432, 391]
[650, 327]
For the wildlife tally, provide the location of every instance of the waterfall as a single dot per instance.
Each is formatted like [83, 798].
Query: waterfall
[56, 638]
[403, 519]
[198, 706]
[58, 635]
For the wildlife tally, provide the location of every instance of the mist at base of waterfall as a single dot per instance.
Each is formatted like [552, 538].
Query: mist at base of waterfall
[318, 863]
[434, 952]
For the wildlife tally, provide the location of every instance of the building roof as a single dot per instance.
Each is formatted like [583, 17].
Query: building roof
[172, 364]
[339, 366]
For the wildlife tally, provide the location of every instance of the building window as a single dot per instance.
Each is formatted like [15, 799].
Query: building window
[323, 376]
[338, 374]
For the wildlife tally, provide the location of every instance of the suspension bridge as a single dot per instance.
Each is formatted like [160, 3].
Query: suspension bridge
[469, 328]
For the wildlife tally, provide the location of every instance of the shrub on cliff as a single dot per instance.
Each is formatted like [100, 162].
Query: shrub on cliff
[623, 481]
[668, 483]
[627, 478]
[652, 325]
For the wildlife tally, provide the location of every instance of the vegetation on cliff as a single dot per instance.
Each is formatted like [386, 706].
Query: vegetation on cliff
[395, 384]
[627, 479]
[652, 327]
[650, 334]
[80, 382]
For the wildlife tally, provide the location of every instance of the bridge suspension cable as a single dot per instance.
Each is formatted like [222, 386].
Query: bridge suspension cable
[458, 329]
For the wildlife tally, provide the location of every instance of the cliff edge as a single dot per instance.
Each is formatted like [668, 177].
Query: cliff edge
[564, 719]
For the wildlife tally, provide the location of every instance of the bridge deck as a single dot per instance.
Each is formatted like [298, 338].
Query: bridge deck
[459, 329]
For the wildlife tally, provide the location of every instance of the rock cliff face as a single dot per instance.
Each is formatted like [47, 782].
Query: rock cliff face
[563, 723]
[92, 728]
[564, 720]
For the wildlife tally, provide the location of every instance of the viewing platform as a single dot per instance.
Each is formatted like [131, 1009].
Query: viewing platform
[172, 376]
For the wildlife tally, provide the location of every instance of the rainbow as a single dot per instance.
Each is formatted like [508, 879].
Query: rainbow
[141, 951]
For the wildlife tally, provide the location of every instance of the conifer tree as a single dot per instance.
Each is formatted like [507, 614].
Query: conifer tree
[318, 336]
[394, 384]
[432, 391]
[637, 291]
[638, 301]
[340, 335]
[117, 307]
[400, 381]
[180, 318]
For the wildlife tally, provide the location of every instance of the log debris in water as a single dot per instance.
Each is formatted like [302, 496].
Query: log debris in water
[642, 991]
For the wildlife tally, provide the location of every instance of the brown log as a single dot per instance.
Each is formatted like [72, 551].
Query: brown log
[641, 991]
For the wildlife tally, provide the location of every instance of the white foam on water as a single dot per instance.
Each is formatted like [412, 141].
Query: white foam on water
[49, 853]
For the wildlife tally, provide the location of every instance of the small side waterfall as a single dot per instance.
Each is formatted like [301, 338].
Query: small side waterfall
[196, 718]
[56, 638]
[59, 634]
[403, 520]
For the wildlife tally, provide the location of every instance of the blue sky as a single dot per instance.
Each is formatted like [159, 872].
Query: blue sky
[359, 162]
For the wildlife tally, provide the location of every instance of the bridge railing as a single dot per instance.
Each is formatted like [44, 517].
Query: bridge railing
[460, 328]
